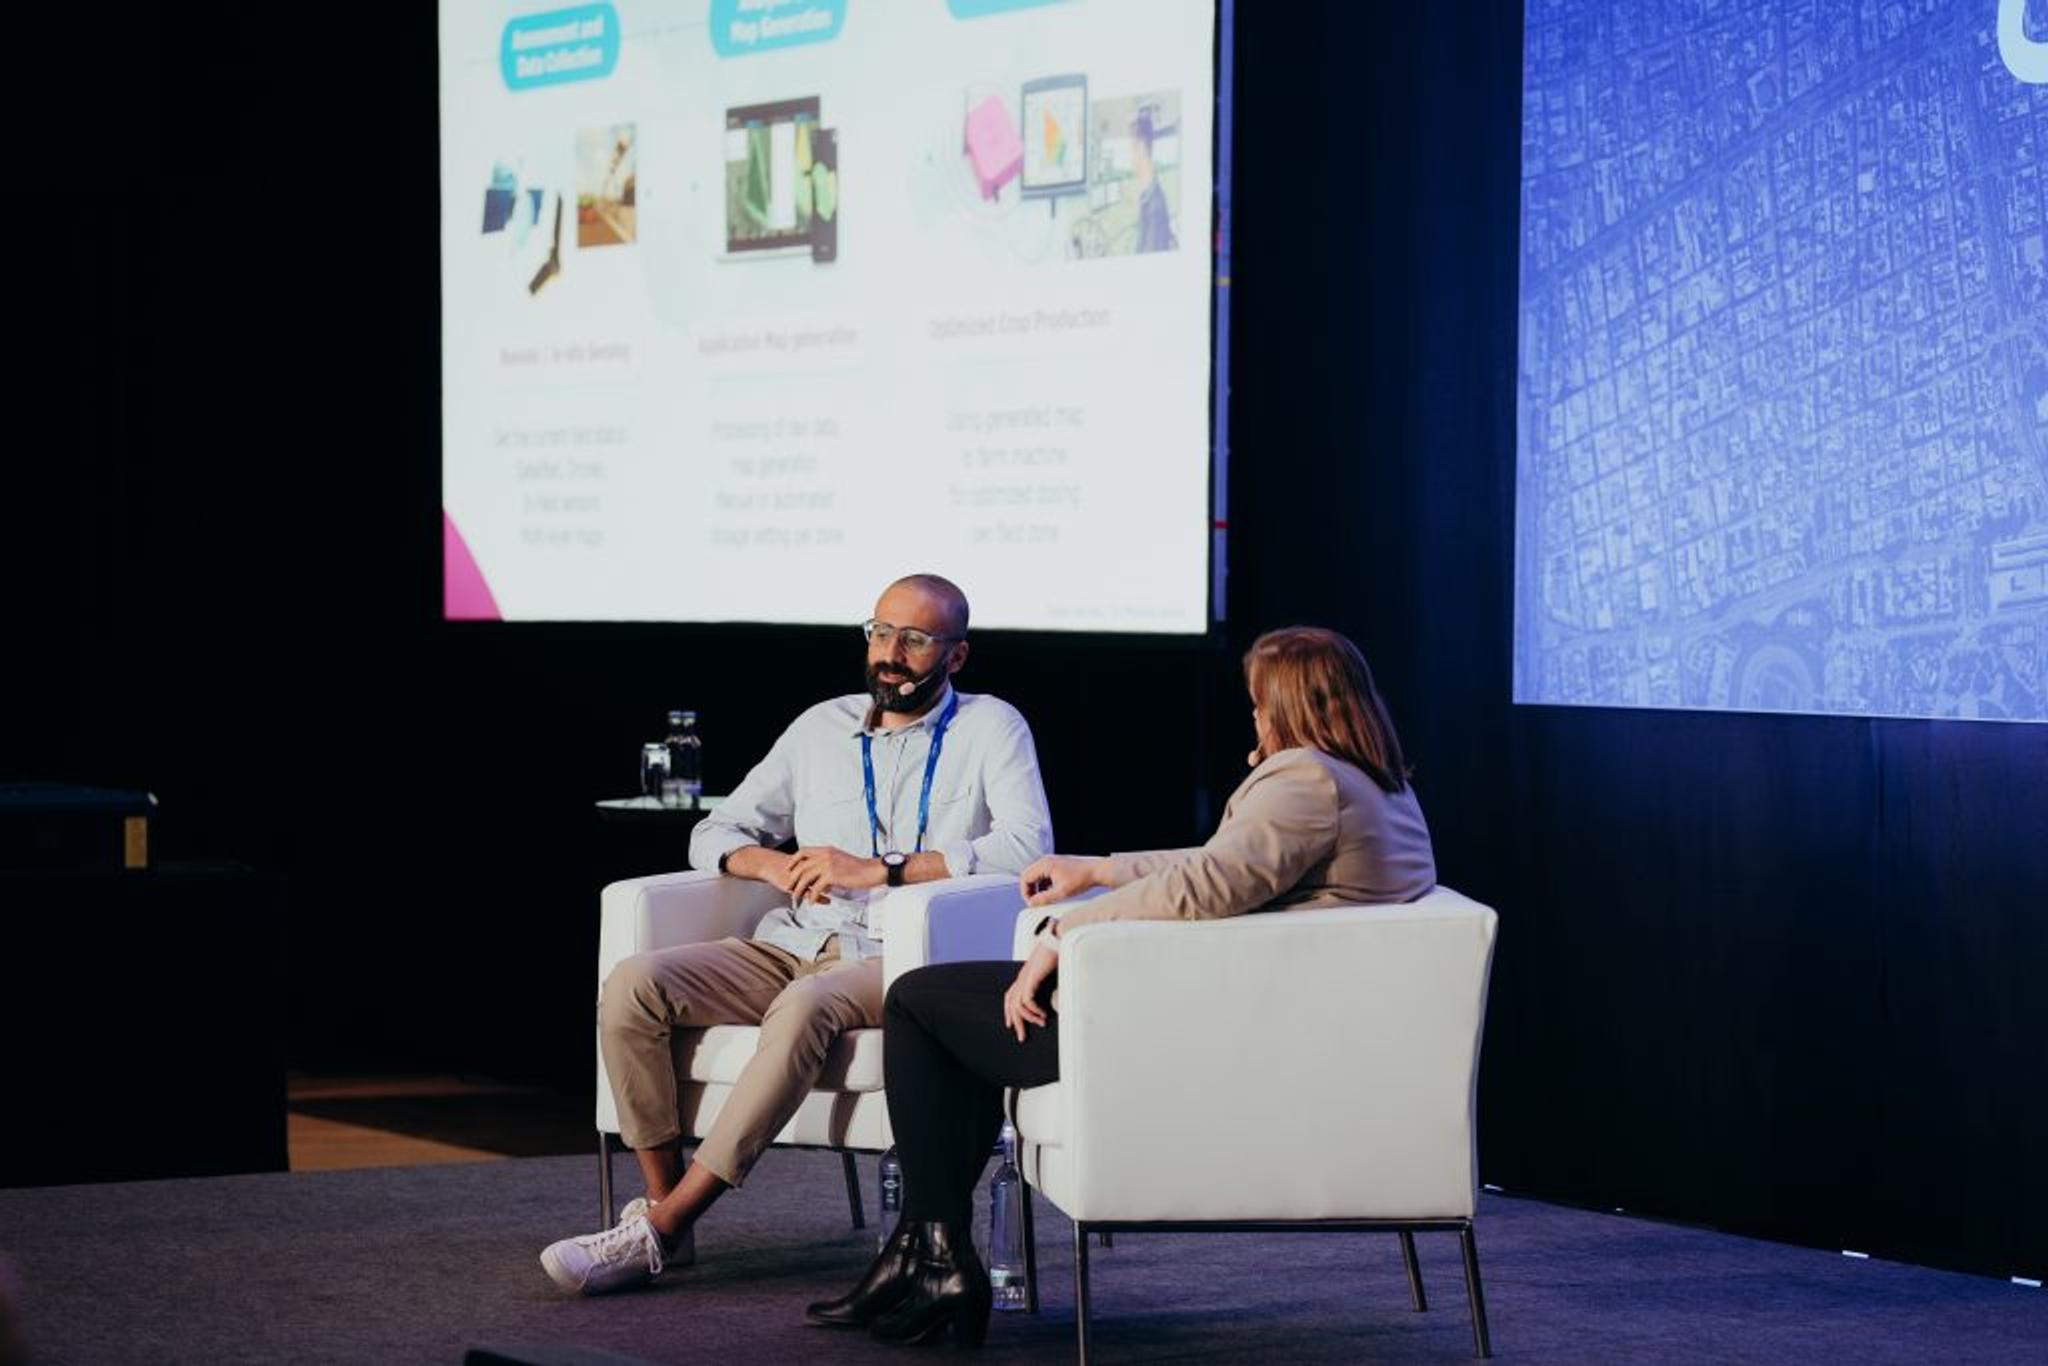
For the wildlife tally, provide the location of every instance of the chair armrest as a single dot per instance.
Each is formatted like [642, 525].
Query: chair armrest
[667, 909]
[1330, 1054]
[956, 920]
[1026, 928]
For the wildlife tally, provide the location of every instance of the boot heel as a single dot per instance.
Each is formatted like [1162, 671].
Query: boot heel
[929, 1333]
[970, 1321]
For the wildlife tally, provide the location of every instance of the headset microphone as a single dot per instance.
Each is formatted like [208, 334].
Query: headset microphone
[910, 686]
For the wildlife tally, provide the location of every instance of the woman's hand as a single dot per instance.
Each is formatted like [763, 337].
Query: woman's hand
[1020, 1002]
[1056, 877]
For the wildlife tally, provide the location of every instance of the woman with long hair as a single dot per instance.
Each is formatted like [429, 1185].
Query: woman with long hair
[1326, 817]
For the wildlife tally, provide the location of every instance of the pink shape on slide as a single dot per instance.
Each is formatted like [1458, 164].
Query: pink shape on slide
[464, 594]
[993, 147]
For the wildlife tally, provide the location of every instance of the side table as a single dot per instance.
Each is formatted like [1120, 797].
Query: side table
[639, 836]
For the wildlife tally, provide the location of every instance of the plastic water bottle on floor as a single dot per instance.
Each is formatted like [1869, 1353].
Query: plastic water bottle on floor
[1006, 1274]
[891, 1183]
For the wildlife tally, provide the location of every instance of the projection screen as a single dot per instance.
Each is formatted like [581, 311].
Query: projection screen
[1783, 380]
[749, 306]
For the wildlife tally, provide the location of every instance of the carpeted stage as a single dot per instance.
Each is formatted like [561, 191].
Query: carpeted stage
[418, 1264]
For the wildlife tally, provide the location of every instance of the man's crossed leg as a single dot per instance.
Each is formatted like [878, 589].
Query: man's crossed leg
[801, 1009]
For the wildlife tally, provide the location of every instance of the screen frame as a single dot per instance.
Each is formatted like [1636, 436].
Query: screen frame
[1214, 632]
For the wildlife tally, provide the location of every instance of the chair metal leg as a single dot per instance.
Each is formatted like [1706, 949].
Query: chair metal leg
[1030, 1255]
[860, 1217]
[1081, 1291]
[1481, 1342]
[604, 1179]
[1414, 1267]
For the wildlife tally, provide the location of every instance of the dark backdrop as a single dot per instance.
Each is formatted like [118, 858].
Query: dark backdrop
[1778, 974]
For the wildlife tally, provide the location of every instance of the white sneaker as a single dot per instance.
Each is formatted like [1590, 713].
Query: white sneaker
[627, 1254]
[682, 1252]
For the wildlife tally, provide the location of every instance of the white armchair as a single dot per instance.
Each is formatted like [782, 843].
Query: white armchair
[929, 922]
[1289, 1071]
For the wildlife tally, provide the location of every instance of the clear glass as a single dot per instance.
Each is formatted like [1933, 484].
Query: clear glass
[654, 770]
[891, 1183]
[1008, 1283]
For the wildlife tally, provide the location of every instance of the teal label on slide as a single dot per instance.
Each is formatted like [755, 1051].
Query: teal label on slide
[579, 44]
[741, 27]
[981, 9]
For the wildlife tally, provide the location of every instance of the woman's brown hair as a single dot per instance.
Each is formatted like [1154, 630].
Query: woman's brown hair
[1314, 689]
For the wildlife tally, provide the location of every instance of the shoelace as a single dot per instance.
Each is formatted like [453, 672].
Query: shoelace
[619, 1238]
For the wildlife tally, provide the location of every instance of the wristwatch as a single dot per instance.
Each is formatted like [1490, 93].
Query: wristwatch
[892, 864]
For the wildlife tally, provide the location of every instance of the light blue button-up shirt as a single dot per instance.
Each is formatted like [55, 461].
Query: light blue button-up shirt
[988, 810]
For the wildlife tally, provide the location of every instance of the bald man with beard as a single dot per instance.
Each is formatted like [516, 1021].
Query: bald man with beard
[907, 781]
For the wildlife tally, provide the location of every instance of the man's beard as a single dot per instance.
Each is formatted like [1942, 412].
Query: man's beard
[888, 693]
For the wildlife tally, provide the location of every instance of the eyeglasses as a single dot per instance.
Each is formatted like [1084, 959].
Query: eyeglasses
[914, 640]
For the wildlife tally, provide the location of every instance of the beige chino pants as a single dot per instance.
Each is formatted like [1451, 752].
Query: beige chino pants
[800, 1008]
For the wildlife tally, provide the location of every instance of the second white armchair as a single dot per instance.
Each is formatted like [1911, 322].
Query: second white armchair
[1287, 1071]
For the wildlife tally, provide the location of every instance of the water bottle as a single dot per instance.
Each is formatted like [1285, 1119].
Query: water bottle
[892, 1194]
[1008, 1283]
[685, 761]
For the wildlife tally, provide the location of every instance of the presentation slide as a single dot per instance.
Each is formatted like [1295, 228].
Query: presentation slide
[1783, 381]
[751, 306]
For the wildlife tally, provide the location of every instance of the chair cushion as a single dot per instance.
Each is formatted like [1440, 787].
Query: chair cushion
[719, 1053]
[1042, 1115]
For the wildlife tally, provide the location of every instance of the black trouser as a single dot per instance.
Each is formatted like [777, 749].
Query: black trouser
[948, 1058]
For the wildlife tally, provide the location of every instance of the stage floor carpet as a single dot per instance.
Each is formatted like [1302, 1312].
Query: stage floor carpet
[418, 1264]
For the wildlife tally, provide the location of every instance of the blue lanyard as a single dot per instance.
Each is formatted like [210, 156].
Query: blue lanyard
[924, 795]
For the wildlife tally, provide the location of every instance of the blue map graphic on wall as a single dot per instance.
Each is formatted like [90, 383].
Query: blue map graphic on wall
[1783, 377]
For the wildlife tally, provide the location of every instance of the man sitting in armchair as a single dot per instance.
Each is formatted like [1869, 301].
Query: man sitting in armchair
[907, 782]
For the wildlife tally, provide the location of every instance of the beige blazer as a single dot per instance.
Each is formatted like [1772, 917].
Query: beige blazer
[1303, 830]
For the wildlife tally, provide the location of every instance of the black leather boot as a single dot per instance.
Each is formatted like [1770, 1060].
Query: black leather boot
[947, 1289]
[883, 1287]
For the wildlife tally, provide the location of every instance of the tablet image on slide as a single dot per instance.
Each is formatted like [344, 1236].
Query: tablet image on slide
[1054, 118]
[768, 152]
